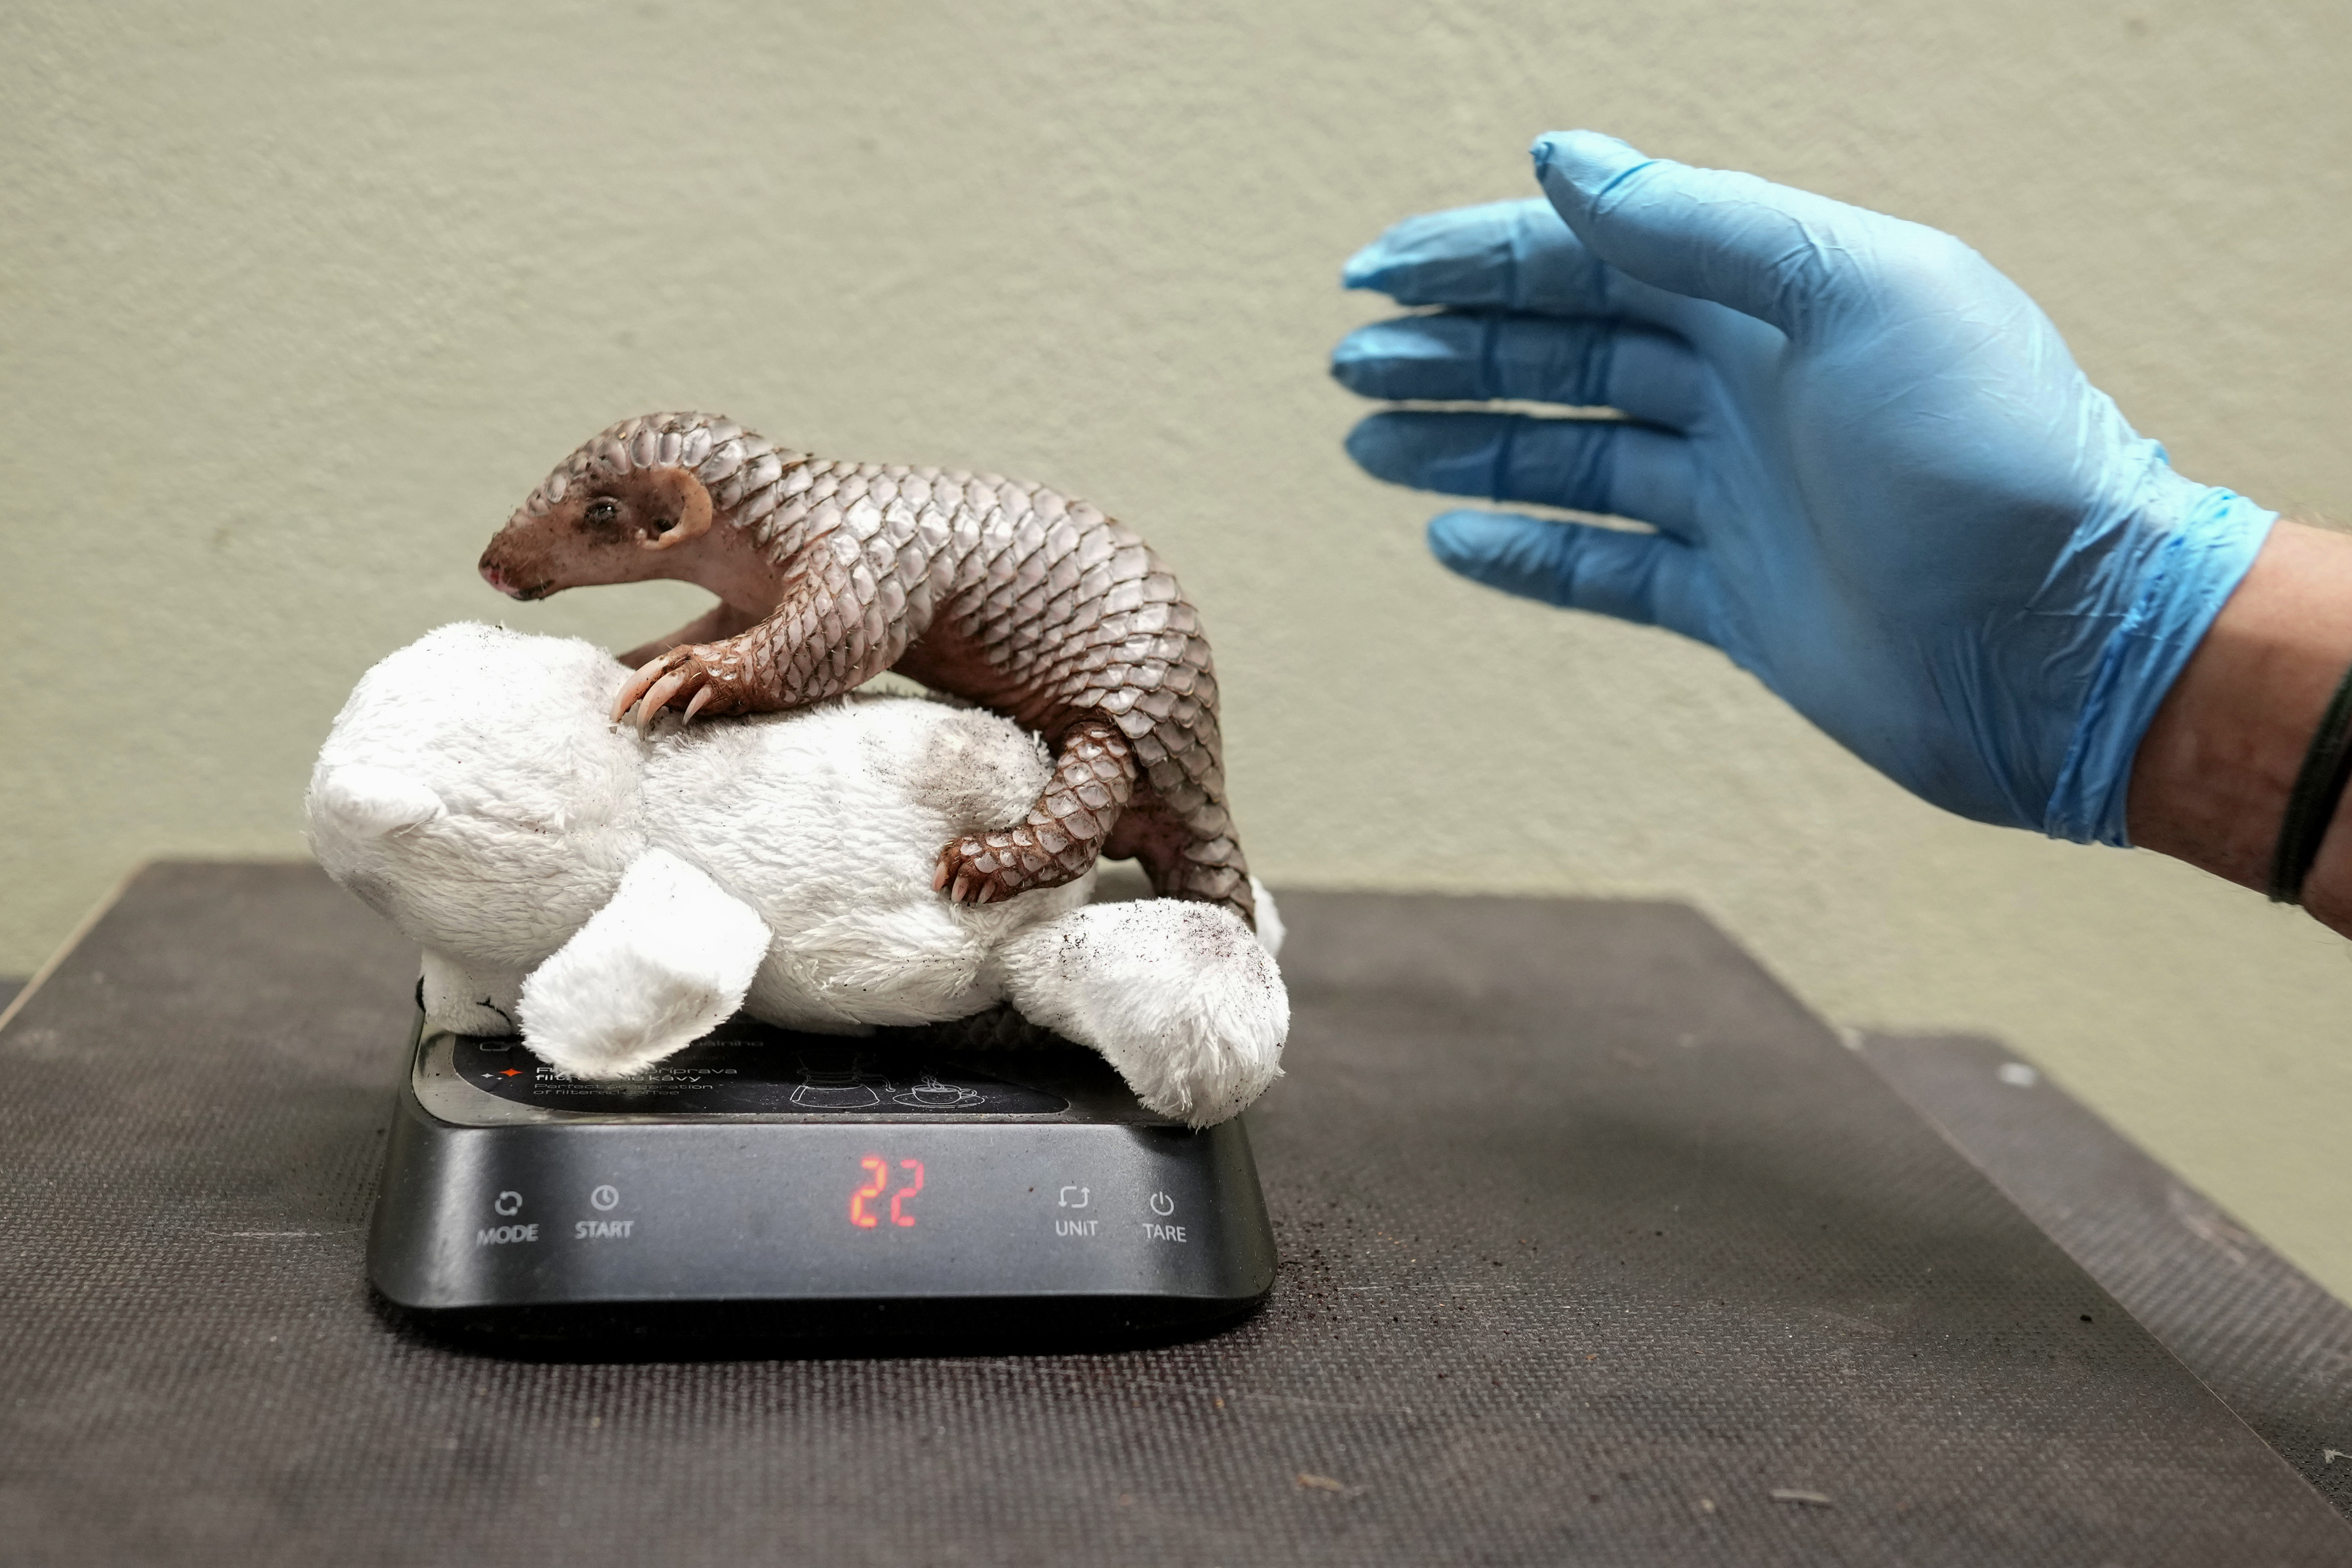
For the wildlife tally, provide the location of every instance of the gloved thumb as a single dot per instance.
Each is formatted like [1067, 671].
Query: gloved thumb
[1783, 256]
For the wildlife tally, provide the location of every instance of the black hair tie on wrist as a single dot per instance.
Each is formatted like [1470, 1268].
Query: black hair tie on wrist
[2311, 804]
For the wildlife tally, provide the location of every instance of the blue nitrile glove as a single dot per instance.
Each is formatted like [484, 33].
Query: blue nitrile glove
[1878, 480]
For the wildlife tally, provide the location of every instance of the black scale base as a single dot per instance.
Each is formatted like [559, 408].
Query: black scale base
[764, 1185]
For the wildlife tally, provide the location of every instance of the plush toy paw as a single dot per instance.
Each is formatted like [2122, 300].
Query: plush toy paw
[1181, 996]
[666, 962]
[467, 1000]
[707, 677]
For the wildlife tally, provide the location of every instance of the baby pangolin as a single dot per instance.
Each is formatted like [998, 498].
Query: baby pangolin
[828, 573]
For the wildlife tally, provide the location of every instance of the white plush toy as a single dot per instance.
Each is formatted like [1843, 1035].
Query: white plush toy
[612, 897]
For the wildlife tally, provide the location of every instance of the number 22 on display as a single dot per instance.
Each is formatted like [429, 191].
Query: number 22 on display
[878, 1178]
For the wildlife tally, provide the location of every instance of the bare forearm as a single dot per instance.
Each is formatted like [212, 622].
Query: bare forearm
[2210, 780]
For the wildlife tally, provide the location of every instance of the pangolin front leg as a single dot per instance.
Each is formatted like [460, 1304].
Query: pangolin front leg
[821, 641]
[1094, 778]
[723, 677]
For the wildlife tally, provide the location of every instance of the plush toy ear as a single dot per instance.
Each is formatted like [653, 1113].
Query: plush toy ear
[369, 802]
[669, 960]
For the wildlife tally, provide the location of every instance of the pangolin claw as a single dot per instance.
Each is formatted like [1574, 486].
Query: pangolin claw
[659, 697]
[645, 676]
[695, 707]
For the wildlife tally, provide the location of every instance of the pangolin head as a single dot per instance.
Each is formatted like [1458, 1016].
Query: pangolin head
[632, 501]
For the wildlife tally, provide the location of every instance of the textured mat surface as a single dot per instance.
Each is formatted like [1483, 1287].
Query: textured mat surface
[1597, 1249]
[2263, 1334]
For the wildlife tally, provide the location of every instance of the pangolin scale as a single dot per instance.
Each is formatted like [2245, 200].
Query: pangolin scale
[1010, 595]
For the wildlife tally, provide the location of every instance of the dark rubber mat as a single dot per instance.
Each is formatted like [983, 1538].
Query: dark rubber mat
[2263, 1334]
[1597, 1249]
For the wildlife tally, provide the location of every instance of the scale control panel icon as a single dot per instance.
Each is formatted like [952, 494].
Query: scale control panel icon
[1162, 1205]
[605, 1197]
[508, 1203]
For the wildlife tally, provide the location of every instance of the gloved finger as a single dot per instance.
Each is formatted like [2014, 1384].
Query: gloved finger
[1503, 255]
[1645, 578]
[1585, 465]
[1783, 256]
[1650, 375]
[1500, 255]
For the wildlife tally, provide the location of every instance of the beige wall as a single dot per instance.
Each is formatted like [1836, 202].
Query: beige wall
[297, 302]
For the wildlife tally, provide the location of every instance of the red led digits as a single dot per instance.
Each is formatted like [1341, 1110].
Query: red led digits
[877, 1171]
[903, 1194]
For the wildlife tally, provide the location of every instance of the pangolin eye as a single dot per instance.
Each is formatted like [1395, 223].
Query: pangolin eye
[603, 512]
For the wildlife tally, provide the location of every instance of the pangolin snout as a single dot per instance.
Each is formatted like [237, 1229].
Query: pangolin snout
[495, 576]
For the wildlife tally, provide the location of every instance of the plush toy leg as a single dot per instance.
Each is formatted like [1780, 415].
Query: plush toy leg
[466, 1001]
[1178, 995]
[667, 961]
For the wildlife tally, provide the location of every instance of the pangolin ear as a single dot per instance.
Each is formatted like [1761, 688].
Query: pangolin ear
[688, 501]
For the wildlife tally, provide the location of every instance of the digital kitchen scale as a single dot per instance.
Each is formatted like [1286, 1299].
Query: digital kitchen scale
[765, 1184]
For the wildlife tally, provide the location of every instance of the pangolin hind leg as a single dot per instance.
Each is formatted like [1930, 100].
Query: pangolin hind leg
[1094, 777]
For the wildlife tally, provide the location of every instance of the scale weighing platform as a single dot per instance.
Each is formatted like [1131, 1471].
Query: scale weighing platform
[762, 1184]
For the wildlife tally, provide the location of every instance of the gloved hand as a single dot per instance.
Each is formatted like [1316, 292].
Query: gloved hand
[1877, 479]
